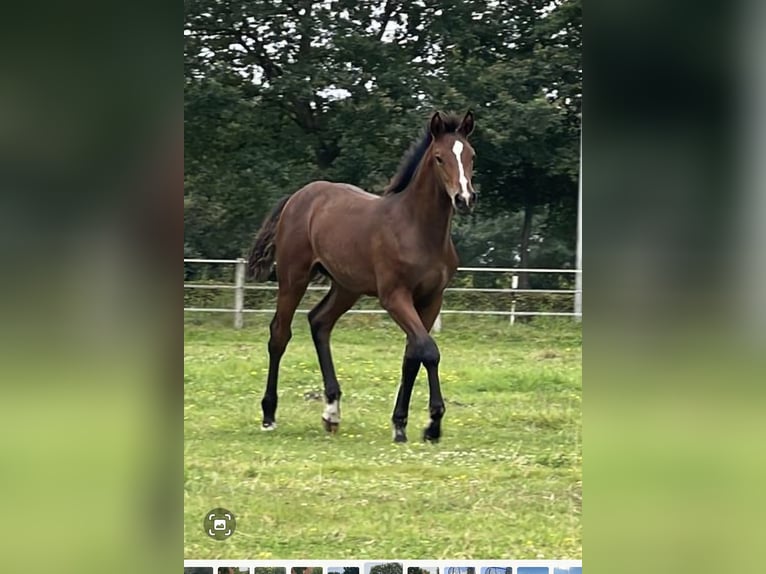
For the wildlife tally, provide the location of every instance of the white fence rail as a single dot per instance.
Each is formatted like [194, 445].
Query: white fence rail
[240, 287]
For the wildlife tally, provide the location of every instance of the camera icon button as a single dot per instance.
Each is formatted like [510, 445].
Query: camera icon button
[219, 523]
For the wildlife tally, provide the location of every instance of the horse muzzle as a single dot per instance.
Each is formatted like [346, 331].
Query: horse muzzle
[465, 204]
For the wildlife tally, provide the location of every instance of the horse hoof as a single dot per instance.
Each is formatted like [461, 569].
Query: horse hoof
[268, 426]
[400, 436]
[430, 435]
[329, 426]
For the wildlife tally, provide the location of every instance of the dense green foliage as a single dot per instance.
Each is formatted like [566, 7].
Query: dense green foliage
[387, 568]
[279, 93]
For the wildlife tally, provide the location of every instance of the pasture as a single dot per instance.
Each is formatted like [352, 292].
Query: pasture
[504, 482]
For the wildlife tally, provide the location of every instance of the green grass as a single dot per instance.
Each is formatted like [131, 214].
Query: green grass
[504, 482]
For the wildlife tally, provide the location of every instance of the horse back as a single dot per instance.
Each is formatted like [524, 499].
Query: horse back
[332, 224]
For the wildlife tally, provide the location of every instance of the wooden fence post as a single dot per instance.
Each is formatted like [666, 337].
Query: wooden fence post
[437, 328]
[239, 293]
[514, 285]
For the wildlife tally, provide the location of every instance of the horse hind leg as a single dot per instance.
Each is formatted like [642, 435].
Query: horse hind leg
[288, 299]
[322, 319]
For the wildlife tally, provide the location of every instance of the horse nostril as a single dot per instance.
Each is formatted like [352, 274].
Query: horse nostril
[463, 203]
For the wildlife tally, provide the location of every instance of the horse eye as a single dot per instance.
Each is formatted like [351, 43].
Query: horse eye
[439, 159]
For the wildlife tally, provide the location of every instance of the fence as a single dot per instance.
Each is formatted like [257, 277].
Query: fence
[240, 287]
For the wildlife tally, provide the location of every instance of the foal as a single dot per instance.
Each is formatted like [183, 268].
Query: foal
[396, 247]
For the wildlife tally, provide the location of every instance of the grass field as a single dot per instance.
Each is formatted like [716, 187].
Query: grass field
[504, 482]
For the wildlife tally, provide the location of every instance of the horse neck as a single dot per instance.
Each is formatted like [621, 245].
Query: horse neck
[427, 201]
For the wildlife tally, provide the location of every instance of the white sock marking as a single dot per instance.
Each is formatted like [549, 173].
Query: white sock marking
[332, 412]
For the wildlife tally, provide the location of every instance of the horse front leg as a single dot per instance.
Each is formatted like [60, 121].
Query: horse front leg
[421, 349]
[428, 312]
[436, 406]
[410, 369]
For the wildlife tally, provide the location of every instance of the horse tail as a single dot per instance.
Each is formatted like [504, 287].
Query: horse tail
[263, 253]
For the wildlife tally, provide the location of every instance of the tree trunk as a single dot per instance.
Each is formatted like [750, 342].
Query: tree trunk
[526, 231]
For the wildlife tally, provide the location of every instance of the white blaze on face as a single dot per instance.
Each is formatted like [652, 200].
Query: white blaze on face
[332, 412]
[457, 149]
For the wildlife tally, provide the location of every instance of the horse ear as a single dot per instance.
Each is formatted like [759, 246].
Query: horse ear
[437, 125]
[466, 125]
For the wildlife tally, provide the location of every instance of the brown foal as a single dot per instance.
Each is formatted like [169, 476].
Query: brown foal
[396, 247]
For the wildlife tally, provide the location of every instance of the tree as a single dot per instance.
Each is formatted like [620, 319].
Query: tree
[526, 63]
[279, 94]
[387, 568]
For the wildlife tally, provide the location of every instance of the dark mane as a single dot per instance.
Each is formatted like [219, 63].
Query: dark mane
[412, 157]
